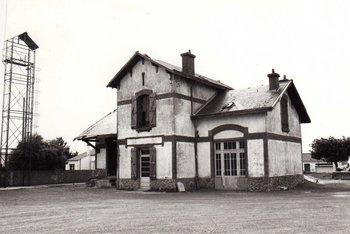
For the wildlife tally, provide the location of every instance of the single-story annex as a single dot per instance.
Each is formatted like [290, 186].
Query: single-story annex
[174, 125]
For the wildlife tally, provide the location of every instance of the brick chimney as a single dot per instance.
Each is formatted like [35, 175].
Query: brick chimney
[188, 62]
[273, 80]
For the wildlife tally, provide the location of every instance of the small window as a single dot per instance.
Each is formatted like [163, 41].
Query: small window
[143, 79]
[284, 114]
[71, 167]
[228, 105]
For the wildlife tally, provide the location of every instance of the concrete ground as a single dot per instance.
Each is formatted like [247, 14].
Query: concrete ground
[77, 209]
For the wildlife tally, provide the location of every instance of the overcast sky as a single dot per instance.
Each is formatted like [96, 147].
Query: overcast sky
[84, 43]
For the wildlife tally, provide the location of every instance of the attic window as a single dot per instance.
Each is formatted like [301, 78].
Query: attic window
[143, 79]
[229, 105]
[284, 114]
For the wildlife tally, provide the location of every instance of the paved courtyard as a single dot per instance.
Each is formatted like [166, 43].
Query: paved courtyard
[77, 209]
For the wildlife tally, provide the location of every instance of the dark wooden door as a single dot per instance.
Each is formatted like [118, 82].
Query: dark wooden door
[111, 144]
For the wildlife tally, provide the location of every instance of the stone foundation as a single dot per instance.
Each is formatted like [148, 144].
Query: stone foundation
[274, 183]
[129, 184]
[243, 184]
[206, 183]
[164, 184]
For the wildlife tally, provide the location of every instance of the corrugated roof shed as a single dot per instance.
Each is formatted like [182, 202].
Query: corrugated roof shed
[105, 126]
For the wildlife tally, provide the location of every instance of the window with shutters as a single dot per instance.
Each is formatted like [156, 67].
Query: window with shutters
[284, 114]
[143, 111]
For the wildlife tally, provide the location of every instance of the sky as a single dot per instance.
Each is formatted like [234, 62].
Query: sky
[83, 44]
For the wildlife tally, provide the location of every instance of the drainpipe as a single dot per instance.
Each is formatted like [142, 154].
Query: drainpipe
[117, 148]
[195, 141]
[196, 153]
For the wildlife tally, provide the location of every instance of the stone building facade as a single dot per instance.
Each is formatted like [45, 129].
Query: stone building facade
[174, 125]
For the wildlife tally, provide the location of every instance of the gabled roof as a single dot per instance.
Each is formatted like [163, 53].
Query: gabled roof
[307, 158]
[252, 100]
[29, 42]
[105, 126]
[78, 157]
[114, 83]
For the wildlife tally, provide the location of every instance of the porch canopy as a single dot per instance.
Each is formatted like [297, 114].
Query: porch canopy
[106, 127]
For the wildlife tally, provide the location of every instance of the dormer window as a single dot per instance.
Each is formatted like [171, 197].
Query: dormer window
[143, 110]
[284, 114]
[228, 105]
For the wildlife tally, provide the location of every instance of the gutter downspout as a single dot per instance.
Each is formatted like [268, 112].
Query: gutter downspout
[196, 136]
[117, 147]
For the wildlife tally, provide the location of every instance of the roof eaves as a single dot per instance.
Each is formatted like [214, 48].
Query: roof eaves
[114, 82]
[29, 41]
[203, 81]
[299, 105]
[84, 137]
[131, 62]
[234, 113]
[206, 104]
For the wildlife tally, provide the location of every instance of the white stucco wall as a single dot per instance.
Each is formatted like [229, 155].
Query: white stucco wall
[254, 122]
[101, 159]
[164, 161]
[164, 117]
[255, 158]
[85, 163]
[158, 82]
[125, 162]
[228, 134]
[183, 124]
[185, 160]
[204, 163]
[284, 158]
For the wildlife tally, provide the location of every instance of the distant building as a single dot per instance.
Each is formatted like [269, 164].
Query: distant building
[175, 125]
[84, 161]
[311, 165]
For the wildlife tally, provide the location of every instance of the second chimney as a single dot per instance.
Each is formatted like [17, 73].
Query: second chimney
[188, 62]
[273, 80]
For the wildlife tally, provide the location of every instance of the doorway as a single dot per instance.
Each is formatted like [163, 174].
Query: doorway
[307, 168]
[144, 169]
[111, 157]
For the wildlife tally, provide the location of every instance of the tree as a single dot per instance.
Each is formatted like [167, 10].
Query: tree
[331, 149]
[40, 155]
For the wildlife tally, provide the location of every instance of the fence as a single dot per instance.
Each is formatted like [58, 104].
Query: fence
[21, 178]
